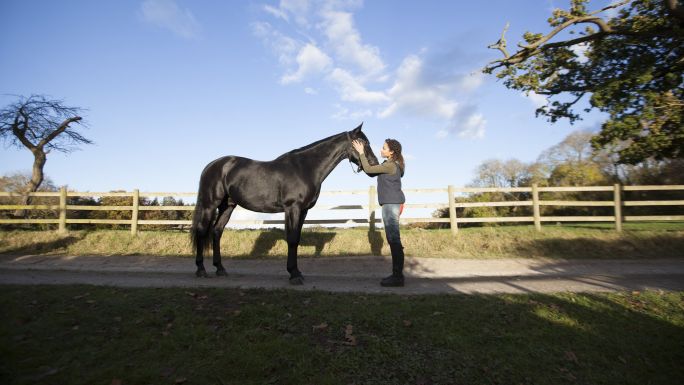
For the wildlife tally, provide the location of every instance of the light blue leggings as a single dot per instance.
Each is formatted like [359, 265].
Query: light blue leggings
[390, 218]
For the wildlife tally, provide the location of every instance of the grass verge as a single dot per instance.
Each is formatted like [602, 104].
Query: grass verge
[101, 335]
[650, 240]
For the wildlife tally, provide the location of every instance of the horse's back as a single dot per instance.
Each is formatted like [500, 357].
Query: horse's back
[252, 184]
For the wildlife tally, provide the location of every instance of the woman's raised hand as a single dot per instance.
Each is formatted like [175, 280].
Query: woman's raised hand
[358, 146]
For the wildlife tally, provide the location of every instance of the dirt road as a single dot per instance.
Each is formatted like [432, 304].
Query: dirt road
[354, 274]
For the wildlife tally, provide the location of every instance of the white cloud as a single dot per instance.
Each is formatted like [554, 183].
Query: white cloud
[410, 94]
[310, 91]
[167, 14]
[282, 46]
[346, 41]
[298, 8]
[277, 12]
[352, 90]
[326, 42]
[310, 61]
[472, 127]
[471, 81]
[536, 99]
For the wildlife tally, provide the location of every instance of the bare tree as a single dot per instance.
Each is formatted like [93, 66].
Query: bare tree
[41, 125]
[497, 173]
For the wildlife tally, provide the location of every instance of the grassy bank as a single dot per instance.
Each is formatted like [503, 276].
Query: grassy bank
[665, 240]
[98, 335]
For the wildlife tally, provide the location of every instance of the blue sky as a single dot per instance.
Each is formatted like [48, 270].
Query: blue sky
[170, 85]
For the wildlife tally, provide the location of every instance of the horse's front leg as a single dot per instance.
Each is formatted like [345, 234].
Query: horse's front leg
[294, 220]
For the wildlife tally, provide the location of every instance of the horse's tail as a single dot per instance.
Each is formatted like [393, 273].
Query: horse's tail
[200, 233]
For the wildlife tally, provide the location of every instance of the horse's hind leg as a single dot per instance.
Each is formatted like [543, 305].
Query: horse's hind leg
[225, 210]
[201, 226]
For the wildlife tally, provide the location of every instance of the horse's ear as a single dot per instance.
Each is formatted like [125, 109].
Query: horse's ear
[358, 129]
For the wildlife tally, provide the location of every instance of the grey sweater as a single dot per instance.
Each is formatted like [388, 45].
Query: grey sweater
[389, 180]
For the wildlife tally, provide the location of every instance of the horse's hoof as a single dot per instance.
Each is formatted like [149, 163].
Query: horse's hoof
[201, 274]
[297, 281]
[221, 273]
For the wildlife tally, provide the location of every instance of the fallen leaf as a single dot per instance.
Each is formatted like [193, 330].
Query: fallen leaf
[321, 327]
[407, 323]
[116, 381]
[237, 312]
[635, 293]
[181, 380]
[570, 356]
[437, 313]
[81, 296]
[622, 359]
[350, 339]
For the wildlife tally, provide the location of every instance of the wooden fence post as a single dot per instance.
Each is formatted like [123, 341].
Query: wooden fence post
[371, 208]
[134, 217]
[452, 211]
[535, 207]
[62, 210]
[618, 207]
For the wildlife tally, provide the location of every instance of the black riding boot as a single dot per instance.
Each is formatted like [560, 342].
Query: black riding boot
[397, 277]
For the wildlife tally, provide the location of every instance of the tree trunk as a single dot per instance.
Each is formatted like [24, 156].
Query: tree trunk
[36, 179]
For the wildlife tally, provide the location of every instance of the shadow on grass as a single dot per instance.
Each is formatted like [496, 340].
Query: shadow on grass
[43, 247]
[458, 339]
[376, 241]
[267, 240]
[631, 227]
[661, 246]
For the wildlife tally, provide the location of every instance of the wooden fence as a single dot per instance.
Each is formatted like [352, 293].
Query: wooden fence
[450, 202]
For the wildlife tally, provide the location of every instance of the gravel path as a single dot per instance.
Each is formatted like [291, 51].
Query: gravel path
[354, 274]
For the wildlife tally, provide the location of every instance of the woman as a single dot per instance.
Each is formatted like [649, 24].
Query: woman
[391, 198]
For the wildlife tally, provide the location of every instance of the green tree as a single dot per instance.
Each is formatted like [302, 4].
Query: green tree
[630, 66]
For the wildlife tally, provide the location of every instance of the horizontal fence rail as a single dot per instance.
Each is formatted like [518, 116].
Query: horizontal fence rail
[61, 207]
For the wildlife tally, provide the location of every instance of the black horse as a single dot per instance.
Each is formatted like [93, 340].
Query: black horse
[291, 184]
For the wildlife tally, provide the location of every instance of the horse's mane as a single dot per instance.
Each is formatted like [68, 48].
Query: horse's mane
[308, 146]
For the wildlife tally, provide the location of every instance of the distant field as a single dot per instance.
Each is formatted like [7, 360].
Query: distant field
[581, 240]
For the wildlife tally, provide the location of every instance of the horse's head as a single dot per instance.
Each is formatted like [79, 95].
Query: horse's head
[357, 134]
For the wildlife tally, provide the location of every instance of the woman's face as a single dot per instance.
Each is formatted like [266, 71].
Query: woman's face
[385, 152]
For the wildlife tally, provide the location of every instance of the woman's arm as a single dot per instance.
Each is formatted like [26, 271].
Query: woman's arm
[384, 168]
